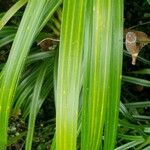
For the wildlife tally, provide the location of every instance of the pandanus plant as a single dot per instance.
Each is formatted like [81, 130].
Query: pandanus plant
[87, 72]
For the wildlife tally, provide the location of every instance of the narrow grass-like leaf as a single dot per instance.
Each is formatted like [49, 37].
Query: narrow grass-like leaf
[11, 12]
[23, 96]
[7, 30]
[69, 74]
[24, 90]
[95, 86]
[130, 125]
[39, 56]
[51, 5]
[28, 29]
[143, 71]
[138, 104]
[125, 112]
[34, 105]
[6, 40]
[115, 77]
[144, 144]
[45, 91]
[129, 145]
[141, 117]
[131, 138]
[138, 81]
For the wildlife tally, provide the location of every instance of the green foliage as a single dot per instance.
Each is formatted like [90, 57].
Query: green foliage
[69, 73]
[28, 29]
[11, 12]
[34, 104]
[63, 82]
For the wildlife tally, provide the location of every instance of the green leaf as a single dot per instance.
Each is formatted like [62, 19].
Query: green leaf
[24, 89]
[11, 12]
[98, 56]
[114, 77]
[6, 40]
[137, 81]
[131, 138]
[69, 74]
[142, 71]
[144, 104]
[125, 112]
[129, 145]
[30, 26]
[48, 85]
[7, 30]
[34, 104]
[39, 56]
[148, 2]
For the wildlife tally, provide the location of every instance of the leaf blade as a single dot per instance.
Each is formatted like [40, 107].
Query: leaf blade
[69, 73]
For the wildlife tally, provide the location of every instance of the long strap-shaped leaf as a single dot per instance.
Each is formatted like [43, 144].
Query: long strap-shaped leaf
[28, 29]
[69, 74]
[34, 104]
[11, 12]
[95, 86]
[115, 76]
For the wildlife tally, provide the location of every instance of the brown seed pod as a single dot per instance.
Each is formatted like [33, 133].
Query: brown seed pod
[131, 46]
[46, 43]
[142, 38]
[135, 41]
